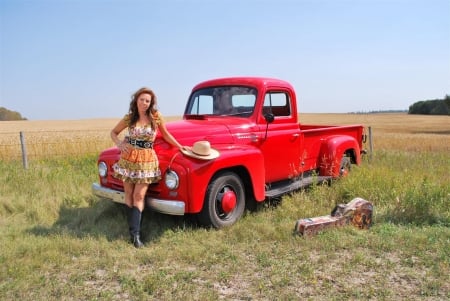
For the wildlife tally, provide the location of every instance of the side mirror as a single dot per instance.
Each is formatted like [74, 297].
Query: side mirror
[269, 117]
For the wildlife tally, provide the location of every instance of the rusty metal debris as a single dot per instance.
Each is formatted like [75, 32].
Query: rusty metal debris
[357, 212]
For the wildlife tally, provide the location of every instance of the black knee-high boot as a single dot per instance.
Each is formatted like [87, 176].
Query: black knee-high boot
[134, 223]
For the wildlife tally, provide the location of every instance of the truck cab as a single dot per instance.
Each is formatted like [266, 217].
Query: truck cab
[252, 109]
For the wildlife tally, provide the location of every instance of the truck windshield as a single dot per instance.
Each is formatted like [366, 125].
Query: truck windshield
[224, 100]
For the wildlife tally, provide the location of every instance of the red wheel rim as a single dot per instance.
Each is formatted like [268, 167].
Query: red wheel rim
[228, 201]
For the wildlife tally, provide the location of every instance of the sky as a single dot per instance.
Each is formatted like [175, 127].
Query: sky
[83, 59]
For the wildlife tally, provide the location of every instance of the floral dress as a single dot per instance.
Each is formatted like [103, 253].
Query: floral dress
[139, 164]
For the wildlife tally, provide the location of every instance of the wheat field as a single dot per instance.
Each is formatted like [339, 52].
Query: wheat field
[395, 131]
[59, 138]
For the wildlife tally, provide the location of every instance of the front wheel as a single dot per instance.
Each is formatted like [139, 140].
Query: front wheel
[346, 165]
[224, 202]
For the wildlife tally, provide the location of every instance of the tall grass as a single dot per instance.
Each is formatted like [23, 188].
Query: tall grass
[60, 242]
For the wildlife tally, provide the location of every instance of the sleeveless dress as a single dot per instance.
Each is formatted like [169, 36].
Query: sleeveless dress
[139, 165]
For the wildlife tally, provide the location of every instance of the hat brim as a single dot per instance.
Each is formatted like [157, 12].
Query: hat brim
[212, 155]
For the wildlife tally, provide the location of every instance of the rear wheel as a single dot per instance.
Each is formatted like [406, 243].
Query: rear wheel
[224, 202]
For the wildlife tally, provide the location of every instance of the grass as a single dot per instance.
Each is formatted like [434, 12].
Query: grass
[60, 242]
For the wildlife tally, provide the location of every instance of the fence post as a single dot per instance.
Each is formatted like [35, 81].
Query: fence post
[370, 144]
[24, 151]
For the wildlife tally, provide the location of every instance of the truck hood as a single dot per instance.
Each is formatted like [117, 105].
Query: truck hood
[213, 130]
[189, 131]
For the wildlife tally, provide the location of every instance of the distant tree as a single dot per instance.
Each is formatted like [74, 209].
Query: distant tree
[431, 107]
[6, 115]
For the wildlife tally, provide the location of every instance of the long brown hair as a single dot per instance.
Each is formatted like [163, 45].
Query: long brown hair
[133, 111]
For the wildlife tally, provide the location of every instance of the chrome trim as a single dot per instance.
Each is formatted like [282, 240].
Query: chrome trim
[107, 193]
[166, 206]
[163, 206]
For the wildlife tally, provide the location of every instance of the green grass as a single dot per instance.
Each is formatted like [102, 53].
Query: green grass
[60, 242]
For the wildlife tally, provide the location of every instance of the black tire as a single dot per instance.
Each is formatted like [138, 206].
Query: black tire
[213, 214]
[346, 166]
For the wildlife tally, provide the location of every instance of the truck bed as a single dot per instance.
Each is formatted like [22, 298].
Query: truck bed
[315, 135]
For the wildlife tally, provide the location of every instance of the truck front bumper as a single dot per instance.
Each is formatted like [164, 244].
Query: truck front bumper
[164, 206]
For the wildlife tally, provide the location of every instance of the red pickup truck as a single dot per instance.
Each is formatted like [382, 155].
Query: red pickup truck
[264, 152]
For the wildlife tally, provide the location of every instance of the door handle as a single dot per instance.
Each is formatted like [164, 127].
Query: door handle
[295, 137]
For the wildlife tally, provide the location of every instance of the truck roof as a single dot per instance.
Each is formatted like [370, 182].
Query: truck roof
[244, 80]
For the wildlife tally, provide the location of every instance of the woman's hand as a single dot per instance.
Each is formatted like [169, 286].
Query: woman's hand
[123, 146]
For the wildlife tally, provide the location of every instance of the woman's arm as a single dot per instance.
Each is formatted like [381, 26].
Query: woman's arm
[168, 136]
[120, 126]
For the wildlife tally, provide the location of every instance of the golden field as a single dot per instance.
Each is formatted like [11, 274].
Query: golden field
[73, 137]
[54, 138]
[395, 131]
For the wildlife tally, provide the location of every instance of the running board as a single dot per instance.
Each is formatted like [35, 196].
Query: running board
[284, 187]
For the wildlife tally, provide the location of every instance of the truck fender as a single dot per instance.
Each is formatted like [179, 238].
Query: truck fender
[247, 162]
[333, 149]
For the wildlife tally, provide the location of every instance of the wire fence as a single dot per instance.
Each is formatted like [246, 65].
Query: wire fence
[37, 145]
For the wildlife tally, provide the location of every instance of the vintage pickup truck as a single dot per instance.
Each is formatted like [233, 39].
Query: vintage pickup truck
[264, 152]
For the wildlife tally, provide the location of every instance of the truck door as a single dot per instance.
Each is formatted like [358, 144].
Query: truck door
[281, 148]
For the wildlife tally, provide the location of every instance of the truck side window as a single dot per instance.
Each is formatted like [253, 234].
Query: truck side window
[277, 103]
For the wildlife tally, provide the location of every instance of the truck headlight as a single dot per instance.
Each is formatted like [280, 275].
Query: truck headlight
[171, 179]
[102, 169]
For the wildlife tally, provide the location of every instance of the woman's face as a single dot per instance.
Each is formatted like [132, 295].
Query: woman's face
[143, 102]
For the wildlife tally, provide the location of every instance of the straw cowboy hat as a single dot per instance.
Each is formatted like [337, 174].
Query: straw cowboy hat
[201, 150]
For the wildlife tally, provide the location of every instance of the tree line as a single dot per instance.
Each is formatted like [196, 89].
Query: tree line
[6, 115]
[431, 107]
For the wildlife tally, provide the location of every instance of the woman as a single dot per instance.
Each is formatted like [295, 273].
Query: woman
[138, 165]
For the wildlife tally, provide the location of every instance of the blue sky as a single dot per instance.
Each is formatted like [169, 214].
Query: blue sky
[77, 59]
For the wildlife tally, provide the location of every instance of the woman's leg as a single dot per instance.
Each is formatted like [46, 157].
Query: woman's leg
[128, 190]
[139, 196]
